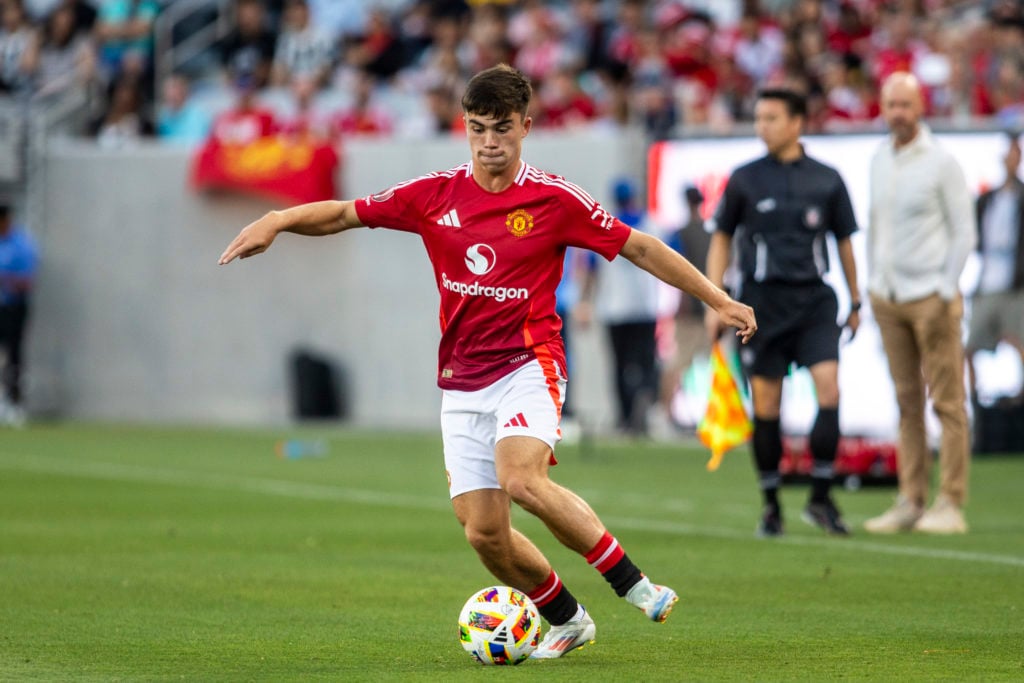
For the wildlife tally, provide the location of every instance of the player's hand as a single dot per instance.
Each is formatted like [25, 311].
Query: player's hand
[853, 323]
[739, 316]
[254, 238]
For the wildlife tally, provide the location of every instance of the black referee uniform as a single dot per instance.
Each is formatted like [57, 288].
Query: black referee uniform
[779, 215]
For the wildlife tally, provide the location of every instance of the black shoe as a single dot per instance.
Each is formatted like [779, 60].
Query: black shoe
[770, 525]
[826, 516]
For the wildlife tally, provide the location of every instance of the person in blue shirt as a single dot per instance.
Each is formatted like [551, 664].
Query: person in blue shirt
[18, 260]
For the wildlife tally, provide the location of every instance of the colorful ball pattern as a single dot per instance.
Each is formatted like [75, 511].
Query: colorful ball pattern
[499, 625]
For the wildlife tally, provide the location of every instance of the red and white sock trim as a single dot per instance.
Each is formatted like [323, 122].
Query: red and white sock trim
[606, 554]
[546, 592]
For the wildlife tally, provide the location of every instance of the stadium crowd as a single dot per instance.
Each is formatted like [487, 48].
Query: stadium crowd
[339, 67]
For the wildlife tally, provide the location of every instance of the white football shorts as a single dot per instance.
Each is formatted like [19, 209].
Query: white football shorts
[526, 402]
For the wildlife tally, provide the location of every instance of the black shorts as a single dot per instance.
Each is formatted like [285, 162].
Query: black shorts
[796, 323]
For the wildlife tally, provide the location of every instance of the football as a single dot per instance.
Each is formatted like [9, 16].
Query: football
[499, 625]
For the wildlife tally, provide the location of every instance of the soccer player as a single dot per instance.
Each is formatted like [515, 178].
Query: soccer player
[496, 230]
[786, 203]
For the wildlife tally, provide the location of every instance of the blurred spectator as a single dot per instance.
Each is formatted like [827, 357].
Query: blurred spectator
[625, 300]
[18, 257]
[563, 103]
[247, 121]
[179, 119]
[692, 240]
[362, 117]
[125, 121]
[536, 33]
[306, 122]
[340, 18]
[303, 51]
[998, 306]
[378, 51]
[66, 58]
[589, 34]
[17, 47]
[444, 111]
[124, 34]
[85, 14]
[488, 37]
[758, 52]
[248, 51]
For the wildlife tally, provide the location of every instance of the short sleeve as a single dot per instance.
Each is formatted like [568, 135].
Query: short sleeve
[395, 208]
[595, 229]
[844, 223]
[730, 208]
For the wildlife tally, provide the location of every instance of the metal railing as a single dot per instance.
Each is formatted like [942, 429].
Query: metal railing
[168, 56]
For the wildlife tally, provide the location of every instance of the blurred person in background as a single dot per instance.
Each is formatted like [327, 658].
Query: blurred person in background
[124, 34]
[303, 50]
[689, 337]
[997, 309]
[247, 121]
[781, 209]
[66, 57]
[18, 263]
[179, 119]
[126, 121]
[624, 300]
[362, 116]
[921, 232]
[17, 46]
[248, 50]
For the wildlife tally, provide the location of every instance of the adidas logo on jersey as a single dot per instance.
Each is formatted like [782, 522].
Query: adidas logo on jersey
[451, 219]
[517, 421]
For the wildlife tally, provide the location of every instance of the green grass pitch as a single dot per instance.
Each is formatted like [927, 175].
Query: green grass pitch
[158, 554]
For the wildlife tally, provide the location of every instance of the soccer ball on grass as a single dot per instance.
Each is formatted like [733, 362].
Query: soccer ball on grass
[499, 625]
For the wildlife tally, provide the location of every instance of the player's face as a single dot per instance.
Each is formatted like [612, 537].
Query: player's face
[496, 143]
[901, 109]
[775, 126]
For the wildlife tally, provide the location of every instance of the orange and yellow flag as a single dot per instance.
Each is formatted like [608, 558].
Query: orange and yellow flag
[726, 423]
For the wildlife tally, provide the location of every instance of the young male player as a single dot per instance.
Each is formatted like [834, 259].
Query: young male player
[496, 230]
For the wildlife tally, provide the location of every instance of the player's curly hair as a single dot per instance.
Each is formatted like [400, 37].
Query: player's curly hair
[498, 92]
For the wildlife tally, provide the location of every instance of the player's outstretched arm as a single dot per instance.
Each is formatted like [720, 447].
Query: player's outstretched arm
[654, 256]
[315, 219]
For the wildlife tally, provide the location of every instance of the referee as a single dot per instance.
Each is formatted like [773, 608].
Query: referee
[780, 209]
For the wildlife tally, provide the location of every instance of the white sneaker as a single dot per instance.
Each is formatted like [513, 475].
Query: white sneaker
[569, 636]
[900, 517]
[655, 601]
[943, 517]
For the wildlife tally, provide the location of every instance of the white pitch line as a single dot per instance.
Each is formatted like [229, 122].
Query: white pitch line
[327, 492]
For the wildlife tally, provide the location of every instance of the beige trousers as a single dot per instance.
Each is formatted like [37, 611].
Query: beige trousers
[923, 342]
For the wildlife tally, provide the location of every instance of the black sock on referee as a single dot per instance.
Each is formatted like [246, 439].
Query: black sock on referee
[824, 443]
[767, 454]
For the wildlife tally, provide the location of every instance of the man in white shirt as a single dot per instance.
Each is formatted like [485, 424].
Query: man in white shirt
[921, 231]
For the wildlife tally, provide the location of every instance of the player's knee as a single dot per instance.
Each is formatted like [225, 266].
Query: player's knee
[486, 541]
[523, 490]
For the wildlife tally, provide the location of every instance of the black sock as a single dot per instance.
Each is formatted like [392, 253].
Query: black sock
[824, 442]
[767, 454]
[611, 560]
[554, 601]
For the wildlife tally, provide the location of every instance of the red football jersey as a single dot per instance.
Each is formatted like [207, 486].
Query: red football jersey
[497, 260]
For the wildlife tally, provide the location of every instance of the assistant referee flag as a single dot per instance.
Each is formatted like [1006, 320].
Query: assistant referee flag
[725, 424]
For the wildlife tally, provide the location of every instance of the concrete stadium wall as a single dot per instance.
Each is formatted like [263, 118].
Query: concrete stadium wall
[134, 320]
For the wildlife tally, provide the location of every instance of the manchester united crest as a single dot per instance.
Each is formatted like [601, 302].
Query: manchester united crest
[519, 223]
